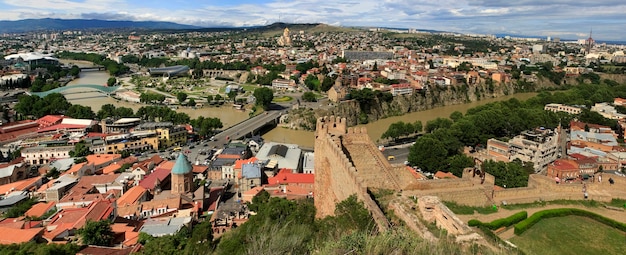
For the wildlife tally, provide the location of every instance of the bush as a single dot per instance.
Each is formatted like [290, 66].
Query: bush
[526, 224]
[502, 222]
[508, 221]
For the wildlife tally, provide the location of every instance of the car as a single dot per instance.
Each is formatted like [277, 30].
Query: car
[191, 147]
[205, 145]
[212, 138]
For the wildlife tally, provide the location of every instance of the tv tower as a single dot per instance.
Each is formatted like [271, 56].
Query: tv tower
[589, 43]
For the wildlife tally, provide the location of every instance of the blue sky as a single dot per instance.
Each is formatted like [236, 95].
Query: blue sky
[571, 19]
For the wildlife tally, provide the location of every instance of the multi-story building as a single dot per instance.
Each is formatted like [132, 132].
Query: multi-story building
[42, 155]
[539, 146]
[401, 89]
[168, 134]
[122, 125]
[563, 108]
[283, 84]
[131, 144]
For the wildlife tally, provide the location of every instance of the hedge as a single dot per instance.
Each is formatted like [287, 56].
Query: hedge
[502, 222]
[526, 224]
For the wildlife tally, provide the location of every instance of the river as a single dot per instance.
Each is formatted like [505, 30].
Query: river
[230, 116]
[96, 100]
[377, 128]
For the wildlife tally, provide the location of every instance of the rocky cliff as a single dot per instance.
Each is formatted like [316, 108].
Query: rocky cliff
[435, 97]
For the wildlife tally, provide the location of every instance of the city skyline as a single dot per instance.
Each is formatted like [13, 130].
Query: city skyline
[554, 18]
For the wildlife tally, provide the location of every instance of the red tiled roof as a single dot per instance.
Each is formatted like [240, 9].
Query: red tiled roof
[39, 209]
[131, 196]
[19, 185]
[443, 175]
[49, 119]
[240, 162]
[18, 235]
[214, 197]
[61, 126]
[285, 176]
[198, 169]
[149, 180]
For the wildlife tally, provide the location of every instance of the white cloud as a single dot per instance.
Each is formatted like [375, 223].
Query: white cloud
[531, 17]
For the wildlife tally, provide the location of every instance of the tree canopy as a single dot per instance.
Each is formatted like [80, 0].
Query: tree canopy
[264, 97]
[96, 233]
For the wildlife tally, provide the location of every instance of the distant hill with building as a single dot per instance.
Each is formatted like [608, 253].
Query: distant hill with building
[28, 25]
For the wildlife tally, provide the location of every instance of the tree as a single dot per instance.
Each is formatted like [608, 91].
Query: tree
[456, 116]
[96, 233]
[111, 81]
[437, 123]
[264, 97]
[428, 153]
[80, 112]
[205, 126]
[309, 97]
[181, 96]
[232, 95]
[457, 163]
[80, 150]
[191, 102]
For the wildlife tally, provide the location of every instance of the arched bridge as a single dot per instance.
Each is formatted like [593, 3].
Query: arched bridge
[83, 88]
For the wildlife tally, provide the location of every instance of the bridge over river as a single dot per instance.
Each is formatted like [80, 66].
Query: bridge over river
[74, 89]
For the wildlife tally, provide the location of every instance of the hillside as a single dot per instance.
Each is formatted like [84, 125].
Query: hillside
[29, 25]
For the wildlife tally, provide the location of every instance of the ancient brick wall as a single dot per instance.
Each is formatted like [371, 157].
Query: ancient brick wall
[336, 178]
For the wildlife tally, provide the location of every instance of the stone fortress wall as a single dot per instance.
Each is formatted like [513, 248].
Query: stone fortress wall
[336, 178]
[347, 162]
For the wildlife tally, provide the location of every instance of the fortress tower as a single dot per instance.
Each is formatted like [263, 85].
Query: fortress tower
[347, 163]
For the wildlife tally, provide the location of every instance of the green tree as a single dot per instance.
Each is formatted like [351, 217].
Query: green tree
[428, 153]
[80, 150]
[437, 123]
[232, 95]
[264, 97]
[80, 112]
[96, 233]
[111, 81]
[456, 116]
[181, 96]
[458, 162]
[309, 97]
[205, 126]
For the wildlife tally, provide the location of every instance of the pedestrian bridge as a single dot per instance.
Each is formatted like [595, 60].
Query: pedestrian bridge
[78, 89]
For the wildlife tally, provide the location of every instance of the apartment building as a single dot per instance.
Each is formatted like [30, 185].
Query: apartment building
[539, 146]
[168, 134]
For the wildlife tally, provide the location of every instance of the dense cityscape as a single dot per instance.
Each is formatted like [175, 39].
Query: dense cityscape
[308, 139]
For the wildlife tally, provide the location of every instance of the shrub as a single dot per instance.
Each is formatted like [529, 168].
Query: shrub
[526, 224]
[508, 221]
[474, 223]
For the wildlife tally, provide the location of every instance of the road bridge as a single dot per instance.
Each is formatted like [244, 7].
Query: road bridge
[92, 68]
[247, 127]
[83, 88]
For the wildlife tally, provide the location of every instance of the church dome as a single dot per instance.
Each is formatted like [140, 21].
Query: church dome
[182, 165]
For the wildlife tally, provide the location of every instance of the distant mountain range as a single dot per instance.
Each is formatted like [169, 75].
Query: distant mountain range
[29, 25]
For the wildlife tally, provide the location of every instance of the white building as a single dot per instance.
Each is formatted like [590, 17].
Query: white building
[563, 108]
[43, 155]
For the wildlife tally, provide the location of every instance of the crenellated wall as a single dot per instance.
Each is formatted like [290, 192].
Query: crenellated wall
[336, 178]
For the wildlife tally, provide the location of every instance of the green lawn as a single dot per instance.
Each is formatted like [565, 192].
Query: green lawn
[282, 99]
[571, 235]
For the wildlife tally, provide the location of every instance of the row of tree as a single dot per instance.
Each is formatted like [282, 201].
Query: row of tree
[111, 66]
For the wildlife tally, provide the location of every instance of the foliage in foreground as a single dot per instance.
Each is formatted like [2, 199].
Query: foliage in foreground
[39, 248]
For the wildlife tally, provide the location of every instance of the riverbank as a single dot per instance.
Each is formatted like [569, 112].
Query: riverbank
[377, 128]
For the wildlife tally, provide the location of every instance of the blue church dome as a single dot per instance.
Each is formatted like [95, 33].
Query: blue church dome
[182, 165]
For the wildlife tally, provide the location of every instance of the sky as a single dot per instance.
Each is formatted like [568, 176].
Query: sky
[567, 19]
